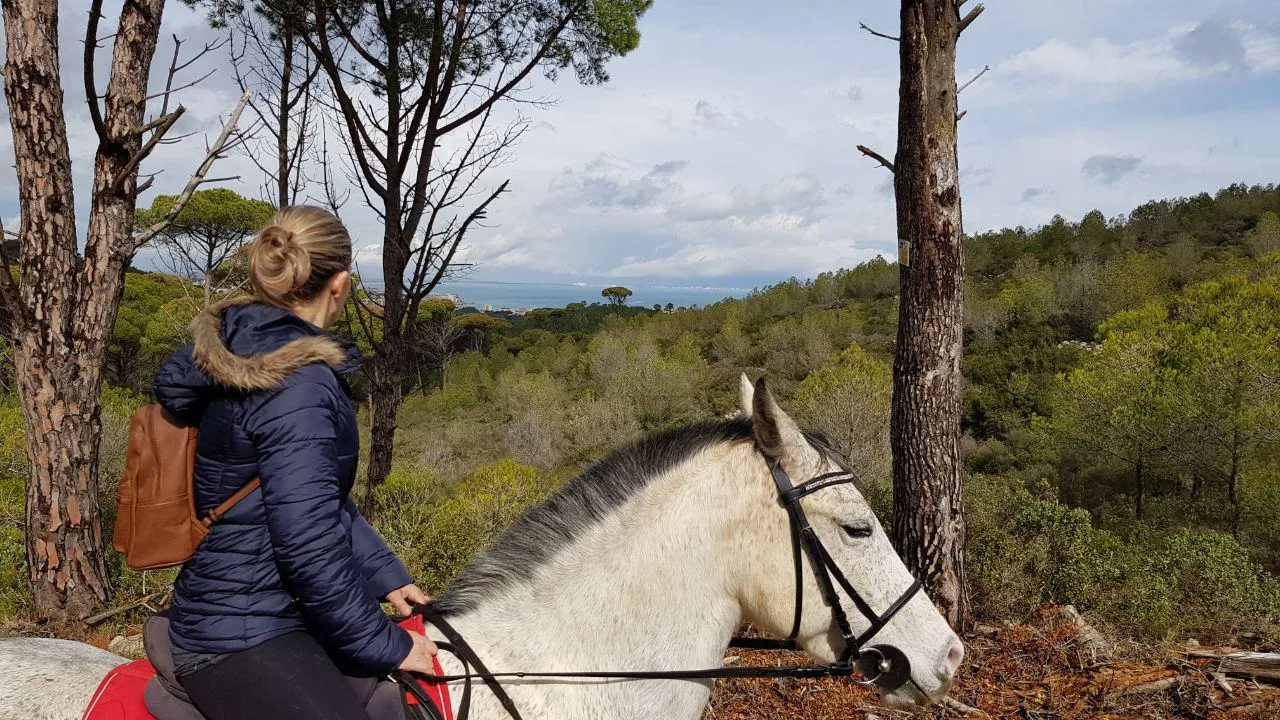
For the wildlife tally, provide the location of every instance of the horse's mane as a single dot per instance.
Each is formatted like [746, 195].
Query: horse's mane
[581, 503]
[584, 501]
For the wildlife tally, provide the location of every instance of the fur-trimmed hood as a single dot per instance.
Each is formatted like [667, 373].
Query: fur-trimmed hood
[245, 346]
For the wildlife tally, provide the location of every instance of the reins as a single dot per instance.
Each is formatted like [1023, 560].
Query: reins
[883, 665]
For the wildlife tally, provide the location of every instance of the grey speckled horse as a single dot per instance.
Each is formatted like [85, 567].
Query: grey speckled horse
[649, 561]
[43, 679]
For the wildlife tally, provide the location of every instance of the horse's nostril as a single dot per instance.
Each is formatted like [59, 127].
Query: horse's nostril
[955, 656]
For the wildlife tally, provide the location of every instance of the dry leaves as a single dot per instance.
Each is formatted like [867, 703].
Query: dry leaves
[1037, 671]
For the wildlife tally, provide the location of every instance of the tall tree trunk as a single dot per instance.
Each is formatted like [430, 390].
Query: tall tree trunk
[388, 393]
[283, 150]
[928, 517]
[391, 356]
[67, 304]
[208, 273]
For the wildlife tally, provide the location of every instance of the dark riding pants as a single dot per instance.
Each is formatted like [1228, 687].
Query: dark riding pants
[287, 677]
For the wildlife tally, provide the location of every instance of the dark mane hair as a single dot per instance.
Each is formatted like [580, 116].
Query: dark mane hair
[584, 501]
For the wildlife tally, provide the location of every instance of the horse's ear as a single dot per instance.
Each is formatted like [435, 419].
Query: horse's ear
[777, 435]
[746, 395]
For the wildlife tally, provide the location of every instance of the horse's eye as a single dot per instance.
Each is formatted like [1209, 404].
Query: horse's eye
[857, 529]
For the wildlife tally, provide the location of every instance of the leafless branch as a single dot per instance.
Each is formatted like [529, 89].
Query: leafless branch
[198, 178]
[981, 72]
[175, 67]
[960, 115]
[161, 126]
[878, 34]
[967, 20]
[90, 47]
[168, 91]
[877, 157]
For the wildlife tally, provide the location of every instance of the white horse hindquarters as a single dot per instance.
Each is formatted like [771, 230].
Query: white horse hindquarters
[49, 679]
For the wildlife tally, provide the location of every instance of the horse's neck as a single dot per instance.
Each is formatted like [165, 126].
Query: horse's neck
[649, 588]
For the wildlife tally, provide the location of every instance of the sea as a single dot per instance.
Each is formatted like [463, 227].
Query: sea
[527, 296]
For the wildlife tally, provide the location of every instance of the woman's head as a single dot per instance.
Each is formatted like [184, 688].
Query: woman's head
[301, 261]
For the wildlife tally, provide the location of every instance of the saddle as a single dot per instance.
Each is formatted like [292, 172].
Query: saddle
[149, 689]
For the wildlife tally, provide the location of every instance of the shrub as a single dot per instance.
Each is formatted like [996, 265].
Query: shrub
[848, 399]
[436, 541]
[1026, 549]
[1217, 588]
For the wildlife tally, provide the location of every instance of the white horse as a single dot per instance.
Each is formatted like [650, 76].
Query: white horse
[649, 561]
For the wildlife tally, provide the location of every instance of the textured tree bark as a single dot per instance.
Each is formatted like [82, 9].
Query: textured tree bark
[928, 515]
[387, 393]
[67, 305]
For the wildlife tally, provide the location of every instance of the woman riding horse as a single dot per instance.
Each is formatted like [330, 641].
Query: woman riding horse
[277, 615]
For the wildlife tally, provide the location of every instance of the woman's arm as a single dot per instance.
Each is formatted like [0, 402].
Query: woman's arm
[296, 438]
[380, 567]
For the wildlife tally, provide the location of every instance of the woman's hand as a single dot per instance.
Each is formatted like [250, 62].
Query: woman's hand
[419, 658]
[403, 599]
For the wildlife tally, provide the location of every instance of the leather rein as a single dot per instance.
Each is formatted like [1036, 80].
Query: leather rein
[882, 665]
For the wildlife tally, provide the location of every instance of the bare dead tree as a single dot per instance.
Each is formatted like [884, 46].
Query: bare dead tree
[416, 86]
[929, 528]
[63, 304]
[270, 58]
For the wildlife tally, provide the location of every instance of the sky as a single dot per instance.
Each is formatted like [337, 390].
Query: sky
[722, 152]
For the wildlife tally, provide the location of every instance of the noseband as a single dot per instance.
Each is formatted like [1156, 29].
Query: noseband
[882, 665]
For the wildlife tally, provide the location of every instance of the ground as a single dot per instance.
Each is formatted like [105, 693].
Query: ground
[1036, 671]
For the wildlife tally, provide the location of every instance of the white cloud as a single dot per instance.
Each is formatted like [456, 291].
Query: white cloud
[724, 147]
[1186, 52]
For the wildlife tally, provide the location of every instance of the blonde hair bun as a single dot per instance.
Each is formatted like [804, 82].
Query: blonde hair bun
[292, 258]
[280, 265]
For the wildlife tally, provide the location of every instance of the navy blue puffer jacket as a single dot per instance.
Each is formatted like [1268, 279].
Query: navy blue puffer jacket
[266, 390]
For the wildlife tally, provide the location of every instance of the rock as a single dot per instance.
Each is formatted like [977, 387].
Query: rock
[129, 646]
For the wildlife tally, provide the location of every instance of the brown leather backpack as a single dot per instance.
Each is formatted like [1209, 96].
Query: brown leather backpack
[156, 524]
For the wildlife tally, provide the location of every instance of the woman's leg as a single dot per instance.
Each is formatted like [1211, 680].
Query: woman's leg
[290, 676]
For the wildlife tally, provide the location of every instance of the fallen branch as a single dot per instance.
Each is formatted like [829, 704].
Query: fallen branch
[140, 602]
[1147, 688]
[877, 157]
[198, 178]
[1256, 665]
[961, 708]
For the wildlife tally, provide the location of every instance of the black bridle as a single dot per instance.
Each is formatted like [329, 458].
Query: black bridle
[882, 665]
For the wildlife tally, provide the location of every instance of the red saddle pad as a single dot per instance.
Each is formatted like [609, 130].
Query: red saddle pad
[119, 695]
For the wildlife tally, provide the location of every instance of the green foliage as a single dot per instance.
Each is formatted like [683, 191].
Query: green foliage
[218, 211]
[436, 541]
[210, 230]
[1264, 239]
[150, 325]
[1123, 403]
[1026, 549]
[616, 295]
[13, 552]
[849, 400]
[1089, 346]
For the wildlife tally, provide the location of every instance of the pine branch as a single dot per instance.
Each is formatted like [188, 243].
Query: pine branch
[198, 178]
